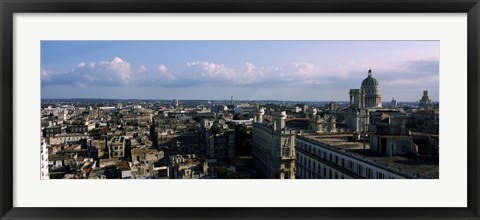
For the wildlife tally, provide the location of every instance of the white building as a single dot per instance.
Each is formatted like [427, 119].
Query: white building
[325, 124]
[44, 161]
[334, 157]
[361, 102]
[371, 90]
[66, 138]
[357, 119]
[273, 148]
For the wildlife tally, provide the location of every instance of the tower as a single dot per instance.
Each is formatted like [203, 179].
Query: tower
[261, 113]
[371, 88]
[175, 103]
[425, 102]
[279, 120]
[393, 103]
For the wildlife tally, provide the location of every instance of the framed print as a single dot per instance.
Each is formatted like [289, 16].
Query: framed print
[256, 110]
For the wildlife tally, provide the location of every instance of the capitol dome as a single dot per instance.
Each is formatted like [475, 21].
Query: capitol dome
[369, 81]
[371, 90]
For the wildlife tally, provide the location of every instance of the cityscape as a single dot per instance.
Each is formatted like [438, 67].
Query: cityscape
[289, 110]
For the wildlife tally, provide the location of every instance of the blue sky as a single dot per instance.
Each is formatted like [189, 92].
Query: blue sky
[248, 70]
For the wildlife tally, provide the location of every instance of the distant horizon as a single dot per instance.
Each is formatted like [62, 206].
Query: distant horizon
[253, 70]
[227, 100]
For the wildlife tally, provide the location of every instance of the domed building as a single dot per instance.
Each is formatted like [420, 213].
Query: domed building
[371, 91]
[362, 101]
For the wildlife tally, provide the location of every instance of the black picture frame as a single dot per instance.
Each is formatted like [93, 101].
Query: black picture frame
[9, 7]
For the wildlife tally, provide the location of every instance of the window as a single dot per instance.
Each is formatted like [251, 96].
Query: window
[286, 152]
[360, 170]
[369, 173]
[380, 175]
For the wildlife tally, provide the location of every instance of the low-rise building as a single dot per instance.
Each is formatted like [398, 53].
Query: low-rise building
[187, 167]
[119, 147]
[390, 137]
[336, 156]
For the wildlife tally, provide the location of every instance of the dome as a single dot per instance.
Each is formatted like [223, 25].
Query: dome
[369, 81]
[368, 96]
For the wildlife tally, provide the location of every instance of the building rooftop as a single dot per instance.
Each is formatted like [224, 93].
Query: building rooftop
[53, 157]
[338, 141]
[141, 150]
[422, 166]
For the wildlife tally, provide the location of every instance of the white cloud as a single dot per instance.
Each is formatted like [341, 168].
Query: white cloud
[162, 68]
[348, 75]
[141, 69]
[163, 73]
[419, 81]
[249, 74]
[120, 67]
[211, 70]
[81, 85]
[249, 67]
[90, 77]
[114, 72]
[44, 74]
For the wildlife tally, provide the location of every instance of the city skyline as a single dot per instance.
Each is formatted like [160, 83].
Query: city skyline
[247, 70]
[150, 139]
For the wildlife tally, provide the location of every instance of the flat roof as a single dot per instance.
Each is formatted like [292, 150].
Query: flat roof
[423, 166]
[339, 141]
